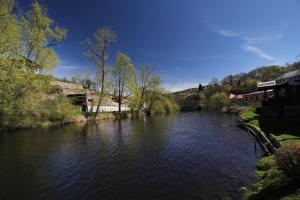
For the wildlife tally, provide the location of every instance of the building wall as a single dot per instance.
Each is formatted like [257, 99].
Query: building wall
[253, 98]
[109, 108]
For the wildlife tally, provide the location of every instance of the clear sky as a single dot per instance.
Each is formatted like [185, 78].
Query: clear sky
[187, 41]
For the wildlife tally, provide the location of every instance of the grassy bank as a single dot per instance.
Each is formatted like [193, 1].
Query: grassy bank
[274, 179]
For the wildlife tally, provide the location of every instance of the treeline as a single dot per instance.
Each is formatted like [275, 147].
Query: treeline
[27, 99]
[215, 95]
[246, 82]
[141, 88]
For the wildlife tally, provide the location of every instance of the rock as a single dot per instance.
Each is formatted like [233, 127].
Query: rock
[243, 189]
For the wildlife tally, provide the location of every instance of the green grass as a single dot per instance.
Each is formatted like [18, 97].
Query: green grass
[272, 183]
[287, 138]
[266, 163]
[249, 114]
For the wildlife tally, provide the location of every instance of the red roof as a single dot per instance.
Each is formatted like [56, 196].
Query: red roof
[238, 96]
[232, 96]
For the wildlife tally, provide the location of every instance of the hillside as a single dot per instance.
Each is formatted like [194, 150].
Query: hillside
[234, 83]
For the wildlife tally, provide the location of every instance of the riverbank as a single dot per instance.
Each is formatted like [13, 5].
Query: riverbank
[274, 181]
[74, 118]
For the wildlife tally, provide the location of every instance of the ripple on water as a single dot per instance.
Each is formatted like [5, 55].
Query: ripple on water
[184, 156]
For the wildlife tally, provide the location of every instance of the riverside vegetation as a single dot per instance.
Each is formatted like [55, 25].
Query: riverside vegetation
[278, 175]
[26, 47]
[27, 55]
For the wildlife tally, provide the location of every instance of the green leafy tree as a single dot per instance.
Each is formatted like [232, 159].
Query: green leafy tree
[10, 32]
[26, 98]
[202, 100]
[123, 77]
[219, 100]
[40, 35]
[154, 90]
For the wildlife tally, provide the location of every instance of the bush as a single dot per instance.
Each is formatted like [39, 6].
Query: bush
[271, 185]
[288, 160]
[266, 163]
[164, 104]
[219, 100]
[202, 100]
[158, 107]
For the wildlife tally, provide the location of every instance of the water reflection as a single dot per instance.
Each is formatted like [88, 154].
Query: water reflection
[184, 156]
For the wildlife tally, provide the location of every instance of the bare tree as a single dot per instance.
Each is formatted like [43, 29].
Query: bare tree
[97, 51]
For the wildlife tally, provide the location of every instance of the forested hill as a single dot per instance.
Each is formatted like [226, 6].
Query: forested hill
[241, 83]
[246, 82]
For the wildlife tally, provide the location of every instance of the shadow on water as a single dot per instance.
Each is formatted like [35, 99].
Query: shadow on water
[183, 156]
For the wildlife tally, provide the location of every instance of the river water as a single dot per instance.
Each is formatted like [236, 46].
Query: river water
[184, 156]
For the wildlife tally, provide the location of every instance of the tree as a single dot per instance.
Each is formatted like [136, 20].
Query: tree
[214, 82]
[10, 32]
[26, 98]
[98, 52]
[154, 89]
[123, 77]
[40, 35]
[202, 100]
[200, 88]
[144, 83]
[219, 100]
[20, 35]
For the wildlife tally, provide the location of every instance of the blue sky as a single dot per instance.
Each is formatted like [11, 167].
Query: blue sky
[187, 41]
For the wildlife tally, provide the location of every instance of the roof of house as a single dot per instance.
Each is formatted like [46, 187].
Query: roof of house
[238, 96]
[232, 96]
[281, 80]
[69, 88]
[259, 92]
[290, 74]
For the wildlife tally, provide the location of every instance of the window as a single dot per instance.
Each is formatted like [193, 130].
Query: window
[282, 92]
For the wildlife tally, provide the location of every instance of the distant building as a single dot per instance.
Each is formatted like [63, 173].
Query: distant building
[258, 96]
[77, 95]
[108, 104]
[236, 98]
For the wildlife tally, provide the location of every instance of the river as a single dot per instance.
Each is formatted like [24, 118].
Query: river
[195, 155]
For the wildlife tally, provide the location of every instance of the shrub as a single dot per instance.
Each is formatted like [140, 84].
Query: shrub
[219, 100]
[202, 100]
[288, 160]
[164, 104]
[158, 107]
[266, 163]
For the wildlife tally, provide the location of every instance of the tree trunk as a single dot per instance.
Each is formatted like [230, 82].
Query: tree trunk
[119, 98]
[102, 90]
[151, 101]
[141, 99]
[86, 101]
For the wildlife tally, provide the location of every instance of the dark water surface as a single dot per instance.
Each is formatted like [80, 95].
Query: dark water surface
[185, 156]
